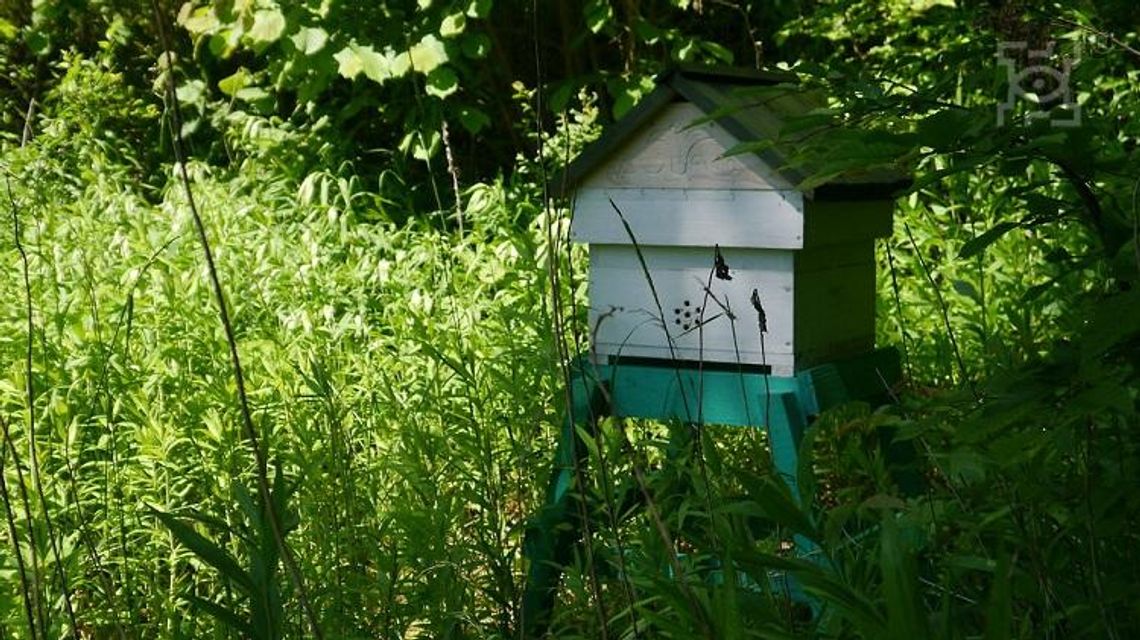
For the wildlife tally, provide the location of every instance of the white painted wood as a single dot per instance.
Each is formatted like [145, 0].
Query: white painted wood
[811, 261]
[674, 153]
[624, 318]
[690, 218]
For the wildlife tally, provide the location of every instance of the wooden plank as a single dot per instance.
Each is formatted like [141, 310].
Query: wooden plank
[611, 140]
[690, 217]
[821, 258]
[624, 319]
[835, 312]
[675, 150]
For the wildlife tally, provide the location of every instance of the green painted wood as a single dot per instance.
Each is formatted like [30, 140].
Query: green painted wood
[748, 398]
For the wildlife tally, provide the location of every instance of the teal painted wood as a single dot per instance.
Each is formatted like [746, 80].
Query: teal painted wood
[691, 395]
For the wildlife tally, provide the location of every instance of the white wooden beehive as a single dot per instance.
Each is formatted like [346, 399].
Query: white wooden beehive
[809, 255]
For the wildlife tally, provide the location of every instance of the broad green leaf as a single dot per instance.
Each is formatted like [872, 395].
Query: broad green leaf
[720, 52]
[978, 244]
[424, 4]
[198, 21]
[349, 64]
[191, 92]
[479, 8]
[476, 45]
[268, 25]
[375, 65]
[223, 615]
[399, 64]
[598, 14]
[235, 82]
[966, 289]
[310, 40]
[453, 25]
[472, 119]
[685, 51]
[252, 94]
[8, 30]
[646, 31]
[190, 126]
[905, 616]
[427, 54]
[442, 83]
[942, 129]
[627, 93]
[37, 42]
[206, 550]
[999, 610]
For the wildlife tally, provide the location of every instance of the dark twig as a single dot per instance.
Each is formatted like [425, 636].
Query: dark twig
[560, 323]
[30, 389]
[25, 587]
[654, 514]
[942, 308]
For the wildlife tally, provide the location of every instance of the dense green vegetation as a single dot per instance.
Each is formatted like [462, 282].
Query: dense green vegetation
[403, 300]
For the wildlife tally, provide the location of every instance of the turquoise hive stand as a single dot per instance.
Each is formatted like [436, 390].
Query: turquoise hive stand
[670, 392]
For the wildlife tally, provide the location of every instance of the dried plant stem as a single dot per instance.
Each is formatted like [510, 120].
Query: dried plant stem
[453, 171]
[250, 431]
[942, 308]
[560, 324]
[899, 313]
[9, 515]
[651, 505]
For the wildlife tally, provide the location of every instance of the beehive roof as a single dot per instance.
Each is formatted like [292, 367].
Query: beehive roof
[721, 94]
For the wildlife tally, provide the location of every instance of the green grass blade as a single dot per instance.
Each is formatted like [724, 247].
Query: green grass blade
[206, 550]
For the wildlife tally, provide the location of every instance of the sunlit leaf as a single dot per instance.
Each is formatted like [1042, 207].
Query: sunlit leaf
[453, 25]
[479, 8]
[235, 82]
[268, 25]
[598, 14]
[428, 54]
[198, 21]
[310, 40]
[349, 64]
[376, 66]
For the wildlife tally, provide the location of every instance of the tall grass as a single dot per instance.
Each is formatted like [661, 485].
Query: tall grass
[405, 382]
[402, 378]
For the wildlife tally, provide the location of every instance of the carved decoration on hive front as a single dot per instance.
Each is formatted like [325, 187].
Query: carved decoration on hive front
[673, 154]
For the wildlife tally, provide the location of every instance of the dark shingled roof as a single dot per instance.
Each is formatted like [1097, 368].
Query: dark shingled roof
[717, 91]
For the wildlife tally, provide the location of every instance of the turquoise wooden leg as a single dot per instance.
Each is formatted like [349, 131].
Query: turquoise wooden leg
[785, 431]
[668, 392]
[552, 533]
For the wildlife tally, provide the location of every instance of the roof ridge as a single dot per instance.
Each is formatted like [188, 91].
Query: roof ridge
[734, 75]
